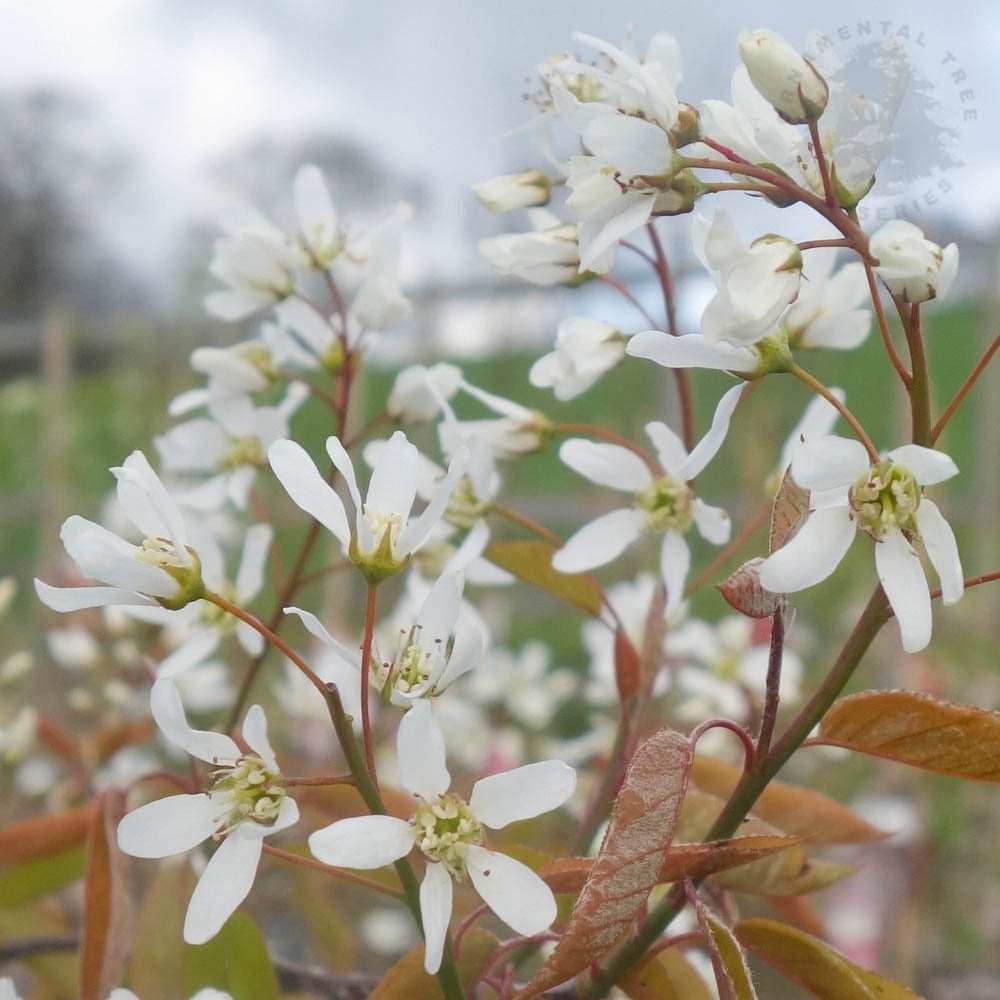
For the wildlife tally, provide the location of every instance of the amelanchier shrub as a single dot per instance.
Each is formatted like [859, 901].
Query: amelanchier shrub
[628, 870]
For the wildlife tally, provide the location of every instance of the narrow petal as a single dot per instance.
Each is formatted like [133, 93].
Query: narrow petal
[149, 492]
[255, 734]
[522, 793]
[439, 612]
[511, 890]
[250, 575]
[363, 842]
[78, 598]
[466, 652]
[168, 826]
[608, 465]
[927, 465]
[435, 913]
[420, 745]
[942, 550]
[224, 884]
[303, 483]
[705, 450]
[812, 554]
[315, 627]
[675, 561]
[200, 644]
[712, 522]
[902, 578]
[829, 462]
[670, 450]
[168, 712]
[599, 542]
[415, 533]
[690, 351]
[393, 485]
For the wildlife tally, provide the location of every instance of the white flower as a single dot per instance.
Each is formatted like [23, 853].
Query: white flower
[826, 311]
[886, 501]
[662, 504]
[450, 832]
[208, 993]
[585, 349]
[547, 256]
[316, 216]
[789, 83]
[162, 570]
[247, 803]
[817, 420]
[912, 267]
[384, 536]
[521, 190]
[417, 391]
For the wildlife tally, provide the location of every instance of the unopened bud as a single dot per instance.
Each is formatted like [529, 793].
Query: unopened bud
[521, 190]
[787, 81]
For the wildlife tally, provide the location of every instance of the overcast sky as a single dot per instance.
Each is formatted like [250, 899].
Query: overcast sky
[430, 87]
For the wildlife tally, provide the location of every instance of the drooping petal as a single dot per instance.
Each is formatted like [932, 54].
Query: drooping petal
[608, 465]
[712, 522]
[525, 792]
[78, 598]
[675, 561]
[168, 712]
[927, 465]
[255, 734]
[297, 472]
[600, 541]
[168, 826]
[705, 450]
[829, 462]
[942, 550]
[250, 575]
[435, 913]
[812, 554]
[511, 890]
[224, 884]
[902, 578]
[363, 842]
[420, 746]
[691, 351]
[315, 627]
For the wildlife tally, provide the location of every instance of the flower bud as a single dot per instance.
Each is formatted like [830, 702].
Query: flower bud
[913, 268]
[789, 83]
[522, 190]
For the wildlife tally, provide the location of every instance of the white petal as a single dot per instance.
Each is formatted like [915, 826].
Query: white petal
[363, 842]
[522, 793]
[942, 550]
[200, 644]
[439, 612]
[712, 522]
[435, 913]
[600, 541]
[826, 463]
[78, 598]
[690, 351]
[927, 465]
[303, 483]
[707, 448]
[902, 578]
[420, 745]
[606, 464]
[393, 485]
[343, 464]
[670, 450]
[168, 826]
[315, 627]
[466, 652]
[168, 712]
[224, 884]
[675, 561]
[139, 490]
[415, 533]
[250, 575]
[255, 734]
[512, 890]
[812, 554]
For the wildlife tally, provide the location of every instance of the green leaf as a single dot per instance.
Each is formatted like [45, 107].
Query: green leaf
[666, 976]
[406, 980]
[733, 960]
[32, 879]
[814, 965]
[532, 562]
[916, 729]
[235, 960]
[157, 961]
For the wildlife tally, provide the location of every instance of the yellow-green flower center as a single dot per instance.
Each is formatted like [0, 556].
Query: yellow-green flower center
[886, 497]
[464, 507]
[666, 504]
[185, 569]
[445, 830]
[248, 791]
[244, 451]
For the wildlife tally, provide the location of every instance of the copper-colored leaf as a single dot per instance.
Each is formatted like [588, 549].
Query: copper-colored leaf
[628, 666]
[107, 905]
[796, 811]
[628, 864]
[811, 875]
[694, 861]
[791, 508]
[740, 985]
[743, 593]
[917, 729]
[815, 965]
[532, 562]
[666, 976]
[406, 980]
[43, 836]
